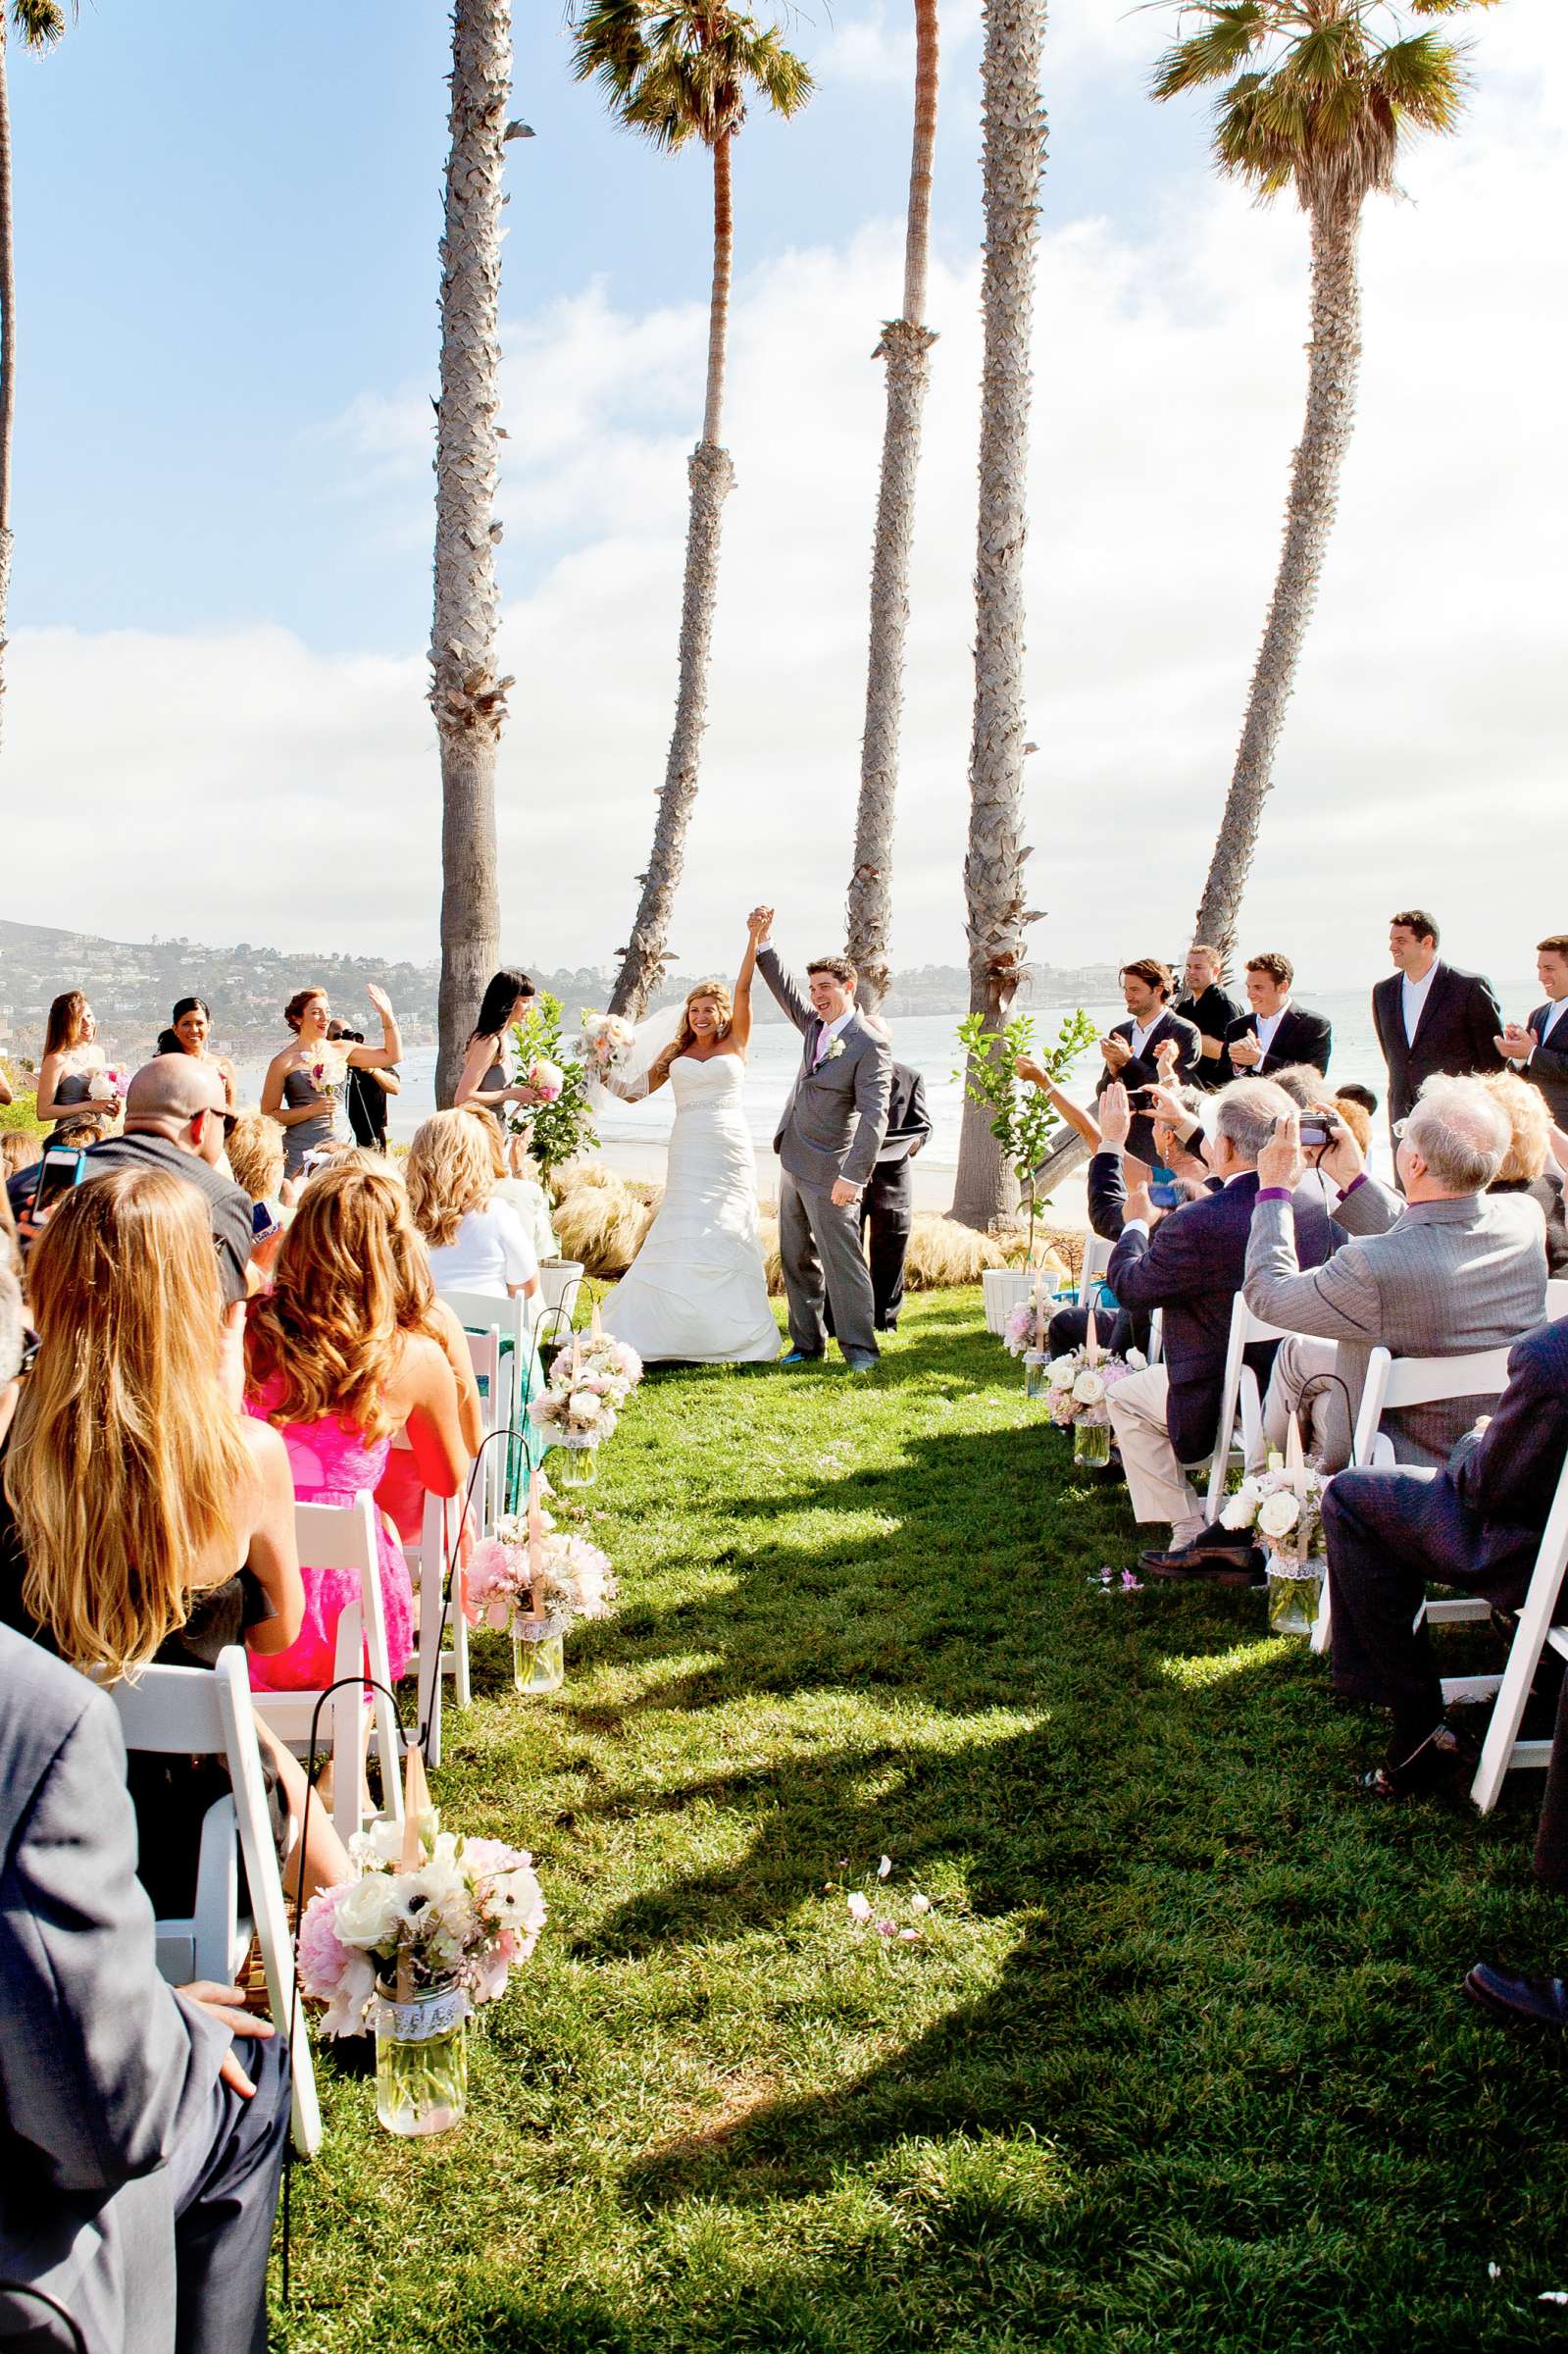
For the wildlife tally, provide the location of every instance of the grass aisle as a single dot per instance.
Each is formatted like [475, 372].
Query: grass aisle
[1177, 2059]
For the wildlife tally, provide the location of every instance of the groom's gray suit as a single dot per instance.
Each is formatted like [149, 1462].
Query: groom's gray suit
[833, 1126]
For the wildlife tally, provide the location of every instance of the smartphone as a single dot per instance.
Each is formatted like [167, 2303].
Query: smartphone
[61, 1170]
[1165, 1197]
[263, 1221]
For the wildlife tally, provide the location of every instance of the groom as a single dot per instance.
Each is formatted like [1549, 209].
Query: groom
[827, 1144]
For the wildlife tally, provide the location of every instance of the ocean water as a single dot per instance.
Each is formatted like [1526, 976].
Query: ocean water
[927, 1042]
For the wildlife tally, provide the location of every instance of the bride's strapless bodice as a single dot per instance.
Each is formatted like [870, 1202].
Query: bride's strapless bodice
[697, 1085]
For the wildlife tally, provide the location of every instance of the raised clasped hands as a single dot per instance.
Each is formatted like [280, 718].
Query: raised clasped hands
[1167, 1054]
[759, 923]
[1114, 1113]
[1515, 1044]
[1116, 1052]
[1245, 1053]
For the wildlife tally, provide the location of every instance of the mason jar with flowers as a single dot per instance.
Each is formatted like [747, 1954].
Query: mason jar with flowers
[1284, 1504]
[536, 1582]
[1078, 1387]
[428, 1931]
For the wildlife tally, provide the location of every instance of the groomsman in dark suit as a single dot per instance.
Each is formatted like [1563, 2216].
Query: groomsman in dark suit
[888, 1205]
[1541, 1049]
[1212, 1010]
[1277, 1032]
[1430, 1017]
[1133, 1051]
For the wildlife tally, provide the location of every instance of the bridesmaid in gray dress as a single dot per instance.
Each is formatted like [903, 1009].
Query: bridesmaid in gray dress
[73, 1060]
[288, 1093]
[488, 1081]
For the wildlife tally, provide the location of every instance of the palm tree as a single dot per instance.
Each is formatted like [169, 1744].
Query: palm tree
[676, 71]
[468, 699]
[41, 23]
[905, 345]
[1319, 100]
[1013, 161]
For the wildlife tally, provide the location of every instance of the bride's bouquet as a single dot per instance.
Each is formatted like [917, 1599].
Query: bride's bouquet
[605, 1042]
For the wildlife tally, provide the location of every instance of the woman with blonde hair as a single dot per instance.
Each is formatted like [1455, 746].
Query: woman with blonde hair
[329, 1364]
[475, 1242]
[142, 1518]
[696, 1291]
[418, 1310]
[1525, 1169]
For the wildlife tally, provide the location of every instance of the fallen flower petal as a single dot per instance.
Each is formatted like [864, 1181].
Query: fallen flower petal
[920, 1903]
[912, 1934]
[885, 1868]
[886, 1928]
[859, 1906]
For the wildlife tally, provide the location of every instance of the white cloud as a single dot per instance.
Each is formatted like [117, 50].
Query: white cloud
[291, 797]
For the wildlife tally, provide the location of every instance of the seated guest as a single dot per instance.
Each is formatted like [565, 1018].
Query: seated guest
[523, 1194]
[1526, 2000]
[174, 1121]
[19, 1155]
[143, 2154]
[1353, 1092]
[142, 1518]
[1277, 1030]
[1353, 1108]
[1152, 1045]
[1476, 1526]
[1444, 1271]
[475, 1242]
[1189, 1264]
[327, 1364]
[1524, 1169]
[1107, 1205]
[418, 1310]
[1212, 1010]
[256, 1156]
[74, 1063]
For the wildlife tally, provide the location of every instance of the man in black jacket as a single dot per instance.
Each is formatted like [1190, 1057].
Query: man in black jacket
[888, 1205]
[1277, 1032]
[1152, 1045]
[1541, 1049]
[1212, 1010]
[1430, 1017]
[1191, 1265]
[1476, 1526]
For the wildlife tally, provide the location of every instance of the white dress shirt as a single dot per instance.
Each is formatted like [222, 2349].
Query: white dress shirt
[1413, 997]
[830, 1033]
[1268, 1024]
[1141, 1033]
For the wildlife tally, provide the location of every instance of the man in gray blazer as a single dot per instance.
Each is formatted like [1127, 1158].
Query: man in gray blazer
[1445, 1270]
[140, 2164]
[827, 1141]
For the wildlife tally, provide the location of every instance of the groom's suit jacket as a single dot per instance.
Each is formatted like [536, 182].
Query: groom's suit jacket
[837, 1116]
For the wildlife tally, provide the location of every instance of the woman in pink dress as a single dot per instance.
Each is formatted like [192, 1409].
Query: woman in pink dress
[329, 1365]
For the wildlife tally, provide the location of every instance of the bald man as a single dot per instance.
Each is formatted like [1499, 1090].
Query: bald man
[175, 1120]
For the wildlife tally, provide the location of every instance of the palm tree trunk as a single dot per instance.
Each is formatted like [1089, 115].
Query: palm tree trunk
[8, 349]
[905, 347]
[712, 478]
[468, 699]
[1334, 359]
[1014, 159]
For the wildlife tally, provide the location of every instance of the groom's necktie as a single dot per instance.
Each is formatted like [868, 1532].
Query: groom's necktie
[822, 1044]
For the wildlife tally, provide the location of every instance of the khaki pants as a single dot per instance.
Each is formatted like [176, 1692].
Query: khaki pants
[1158, 1486]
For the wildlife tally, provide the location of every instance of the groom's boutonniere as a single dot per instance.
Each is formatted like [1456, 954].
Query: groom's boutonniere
[835, 1051]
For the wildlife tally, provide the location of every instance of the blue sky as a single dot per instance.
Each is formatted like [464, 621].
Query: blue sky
[223, 504]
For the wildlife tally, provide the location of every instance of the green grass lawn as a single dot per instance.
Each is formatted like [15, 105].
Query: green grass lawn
[1178, 2058]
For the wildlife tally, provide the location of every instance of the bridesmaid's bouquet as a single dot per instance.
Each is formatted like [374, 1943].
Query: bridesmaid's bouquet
[326, 1069]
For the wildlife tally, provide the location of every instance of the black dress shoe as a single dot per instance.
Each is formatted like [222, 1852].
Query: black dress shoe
[1525, 2002]
[1444, 1762]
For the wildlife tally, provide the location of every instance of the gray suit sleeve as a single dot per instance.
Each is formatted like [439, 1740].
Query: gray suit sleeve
[785, 988]
[114, 2069]
[1336, 1302]
[874, 1071]
[1371, 1207]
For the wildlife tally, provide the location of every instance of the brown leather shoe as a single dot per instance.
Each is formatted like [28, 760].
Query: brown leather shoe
[1239, 1563]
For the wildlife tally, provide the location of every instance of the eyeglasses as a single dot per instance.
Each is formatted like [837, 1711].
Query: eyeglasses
[1400, 1127]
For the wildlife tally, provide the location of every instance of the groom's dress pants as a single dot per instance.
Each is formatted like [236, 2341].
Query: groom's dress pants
[818, 1245]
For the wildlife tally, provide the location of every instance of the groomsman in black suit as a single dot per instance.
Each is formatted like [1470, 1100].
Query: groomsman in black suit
[1541, 1049]
[1430, 1017]
[1212, 1010]
[1133, 1051]
[1277, 1032]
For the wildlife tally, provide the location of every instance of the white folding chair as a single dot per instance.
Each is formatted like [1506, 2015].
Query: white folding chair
[1157, 1335]
[1097, 1259]
[1398, 1381]
[343, 1537]
[1238, 1395]
[481, 1312]
[443, 1629]
[187, 1712]
[1538, 1629]
[1557, 1300]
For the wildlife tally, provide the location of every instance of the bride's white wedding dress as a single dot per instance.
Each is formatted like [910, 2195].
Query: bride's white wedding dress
[696, 1290]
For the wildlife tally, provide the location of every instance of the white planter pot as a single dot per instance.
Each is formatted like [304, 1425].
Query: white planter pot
[559, 1281]
[1004, 1288]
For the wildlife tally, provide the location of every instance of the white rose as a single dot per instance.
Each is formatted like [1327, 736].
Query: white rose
[1278, 1514]
[1061, 1373]
[370, 1914]
[1242, 1508]
[583, 1406]
[1136, 1361]
[1089, 1389]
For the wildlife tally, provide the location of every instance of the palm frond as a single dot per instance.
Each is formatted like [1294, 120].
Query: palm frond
[678, 69]
[1424, 78]
[1229, 39]
[41, 23]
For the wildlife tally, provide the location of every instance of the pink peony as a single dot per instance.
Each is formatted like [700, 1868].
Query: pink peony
[546, 1079]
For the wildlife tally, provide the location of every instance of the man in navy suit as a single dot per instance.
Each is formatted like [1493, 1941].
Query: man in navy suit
[1430, 1017]
[1541, 1049]
[1476, 1526]
[1152, 1045]
[1277, 1032]
[1191, 1263]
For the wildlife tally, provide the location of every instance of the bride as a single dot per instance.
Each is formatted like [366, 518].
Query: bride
[696, 1291]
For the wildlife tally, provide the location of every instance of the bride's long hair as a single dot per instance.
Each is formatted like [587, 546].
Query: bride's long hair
[718, 992]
